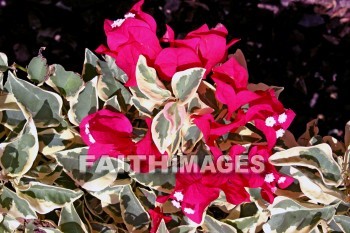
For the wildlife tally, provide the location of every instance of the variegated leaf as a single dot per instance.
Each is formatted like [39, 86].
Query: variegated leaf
[343, 222]
[162, 227]
[163, 182]
[67, 83]
[213, 225]
[51, 141]
[143, 103]
[289, 216]
[17, 156]
[311, 130]
[44, 106]
[45, 198]
[3, 62]
[113, 103]
[110, 194]
[8, 224]
[149, 83]
[191, 134]
[116, 72]
[90, 175]
[38, 69]
[109, 85]
[184, 229]
[263, 87]
[248, 224]
[166, 124]
[85, 103]
[15, 206]
[206, 93]
[89, 67]
[317, 157]
[70, 221]
[134, 215]
[45, 173]
[185, 83]
[313, 187]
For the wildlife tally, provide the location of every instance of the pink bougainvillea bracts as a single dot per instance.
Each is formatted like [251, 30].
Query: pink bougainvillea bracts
[189, 97]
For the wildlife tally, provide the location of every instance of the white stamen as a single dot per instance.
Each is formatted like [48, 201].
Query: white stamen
[129, 15]
[274, 189]
[270, 121]
[87, 129]
[176, 203]
[269, 178]
[117, 23]
[279, 133]
[281, 179]
[282, 118]
[91, 139]
[179, 196]
[188, 211]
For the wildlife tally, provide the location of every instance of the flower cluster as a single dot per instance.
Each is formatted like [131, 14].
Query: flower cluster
[190, 97]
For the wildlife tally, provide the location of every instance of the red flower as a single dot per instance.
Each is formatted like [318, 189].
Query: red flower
[157, 216]
[209, 44]
[270, 178]
[269, 116]
[130, 37]
[172, 60]
[147, 147]
[107, 133]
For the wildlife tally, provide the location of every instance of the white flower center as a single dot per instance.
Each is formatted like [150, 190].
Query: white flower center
[87, 132]
[176, 203]
[279, 133]
[188, 211]
[129, 15]
[269, 178]
[270, 121]
[117, 23]
[282, 179]
[282, 118]
[91, 139]
[179, 196]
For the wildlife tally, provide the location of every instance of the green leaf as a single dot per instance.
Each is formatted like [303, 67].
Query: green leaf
[113, 104]
[8, 224]
[185, 83]
[213, 225]
[162, 227]
[108, 85]
[15, 206]
[89, 68]
[134, 215]
[85, 103]
[149, 83]
[109, 195]
[164, 182]
[51, 141]
[38, 69]
[143, 103]
[343, 222]
[244, 225]
[166, 124]
[313, 187]
[45, 198]
[289, 216]
[17, 156]
[112, 67]
[97, 177]
[3, 62]
[44, 106]
[70, 221]
[184, 229]
[317, 157]
[191, 135]
[67, 83]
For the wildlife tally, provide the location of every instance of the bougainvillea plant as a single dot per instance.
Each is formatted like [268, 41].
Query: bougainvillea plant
[161, 135]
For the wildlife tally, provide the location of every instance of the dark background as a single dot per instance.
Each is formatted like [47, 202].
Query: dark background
[302, 47]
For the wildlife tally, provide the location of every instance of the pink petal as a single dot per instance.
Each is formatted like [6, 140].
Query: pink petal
[171, 60]
[169, 35]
